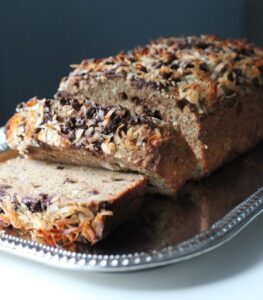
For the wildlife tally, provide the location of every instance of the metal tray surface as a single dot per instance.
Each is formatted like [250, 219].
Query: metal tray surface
[206, 215]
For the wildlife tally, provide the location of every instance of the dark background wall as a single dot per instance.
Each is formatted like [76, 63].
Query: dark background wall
[39, 39]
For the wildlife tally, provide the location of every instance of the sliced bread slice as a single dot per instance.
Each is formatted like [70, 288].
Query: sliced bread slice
[60, 204]
[81, 132]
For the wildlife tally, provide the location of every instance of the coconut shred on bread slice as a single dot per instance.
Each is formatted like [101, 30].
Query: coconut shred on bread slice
[60, 204]
[212, 88]
[84, 133]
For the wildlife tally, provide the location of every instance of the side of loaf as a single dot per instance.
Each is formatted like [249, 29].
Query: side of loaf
[75, 131]
[60, 204]
[210, 87]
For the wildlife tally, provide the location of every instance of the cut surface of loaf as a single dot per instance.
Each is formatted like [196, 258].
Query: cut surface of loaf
[81, 132]
[60, 204]
[210, 87]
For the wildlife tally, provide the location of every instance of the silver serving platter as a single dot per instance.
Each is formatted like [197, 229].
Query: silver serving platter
[206, 215]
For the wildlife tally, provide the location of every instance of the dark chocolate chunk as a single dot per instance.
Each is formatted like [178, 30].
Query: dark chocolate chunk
[60, 168]
[37, 130]
[64, 101]
[187, 65]
[109, 62]
[136, 100]
[94, 192]
[123, 96]
[182, 104]
[157, 114]
[76, 104]
[117, 179]
[166, 75]
[36, 205]
[143, 69]
[48, 103]
[174, 66]
[204, 67]
[90, 112]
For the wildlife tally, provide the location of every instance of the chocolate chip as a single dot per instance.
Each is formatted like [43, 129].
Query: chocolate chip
[37, 130]
[68, 180]
[60, 168]
[76, 104]
[36, 205]
[117, 179]
[202, 45]
[166, 75]
[64, 101]
[182, 104]
[90, 112]
[94, 192]
[157, 114]
[230, 76]
[203, 67]
[48, 103]
[123, 96]
[187, 65]
[136, 100]
[20, 105]
[174, 66]
[143, 69]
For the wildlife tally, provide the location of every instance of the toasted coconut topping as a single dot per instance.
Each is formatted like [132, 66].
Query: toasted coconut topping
[200, 70]
[83, 124]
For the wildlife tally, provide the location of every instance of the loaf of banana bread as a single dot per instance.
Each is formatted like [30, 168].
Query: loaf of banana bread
[210, 87]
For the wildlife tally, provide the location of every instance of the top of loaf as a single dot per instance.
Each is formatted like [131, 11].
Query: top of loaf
[200, 70]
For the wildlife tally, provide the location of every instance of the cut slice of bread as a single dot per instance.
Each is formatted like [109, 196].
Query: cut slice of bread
[81, 132]
[60, 204]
